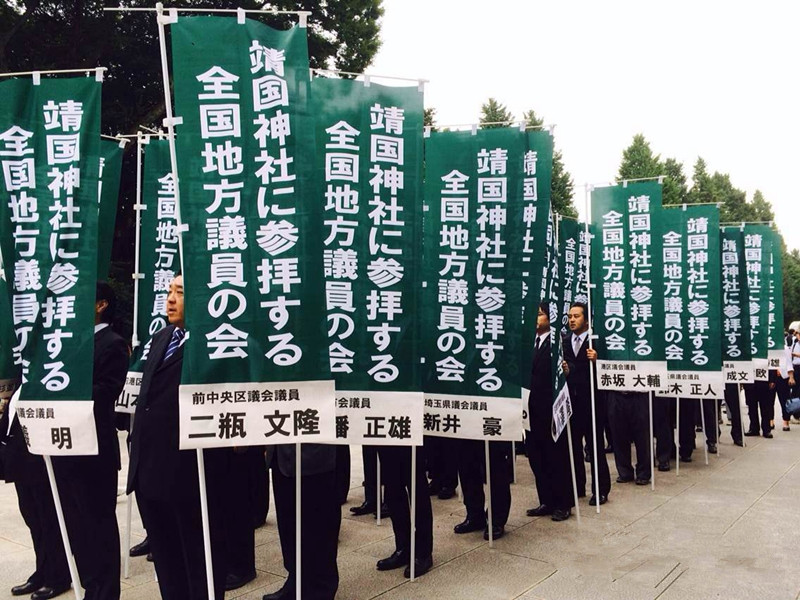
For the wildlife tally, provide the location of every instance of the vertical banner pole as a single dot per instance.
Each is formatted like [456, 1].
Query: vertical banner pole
[62, 526]
[677, 436]
[717, 416]
[128, 514]
[378, 499]
[513, 462]
[705, 433]
[490, 520]
[652, 465]
[201, 472]
[739, 392]
[572, 468]
[592, 366]
[412, 558]
[298, 518]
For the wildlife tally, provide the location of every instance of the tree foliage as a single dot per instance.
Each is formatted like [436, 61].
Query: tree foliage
[494, 114]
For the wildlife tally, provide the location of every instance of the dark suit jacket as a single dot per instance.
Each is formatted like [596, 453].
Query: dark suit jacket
[158, 469]
[579, 373]
[316, 458]
[540, 401]
[111, 360]
[19, 465]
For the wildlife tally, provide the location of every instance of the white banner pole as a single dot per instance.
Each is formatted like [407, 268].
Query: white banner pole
[201, 472]
[677, 437]
[717, 416]
[490, 520]
[574, 478]
[705, 434]
[378, 500]
[413, 555]
[513, 462]
[739, 392]
[652, 465]
[62, 526]
[298, 514]
[128, 516]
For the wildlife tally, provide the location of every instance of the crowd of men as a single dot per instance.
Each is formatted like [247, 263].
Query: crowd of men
[165, 482]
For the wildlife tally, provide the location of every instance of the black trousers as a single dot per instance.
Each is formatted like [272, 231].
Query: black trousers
[664, 427]
[628, 414]
[784, 393]
[175, 531]
[549, 462]
[39, 513]
[582, 430]
[321, 516]
[396, 475]
[734, 410]
[342, 472]
[760, 398]
[246, 470]
[369, 455]
[259, 485]
[89, 501]
[441, 462]
[472, 472]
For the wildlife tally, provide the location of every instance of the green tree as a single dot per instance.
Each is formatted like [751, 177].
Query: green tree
[702, 191]
[429, 118]
[638, 161]
[791, 286]
[494, 112]
[561, 185]
[675, 189]
[761, 208]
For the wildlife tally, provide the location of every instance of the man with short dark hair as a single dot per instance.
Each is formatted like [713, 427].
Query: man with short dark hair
[577, 358]
[88, 484]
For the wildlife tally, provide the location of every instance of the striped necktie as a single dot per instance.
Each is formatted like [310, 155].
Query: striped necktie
[174, 343]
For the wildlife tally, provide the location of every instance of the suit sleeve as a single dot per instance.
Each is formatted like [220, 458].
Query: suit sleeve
[109, 379]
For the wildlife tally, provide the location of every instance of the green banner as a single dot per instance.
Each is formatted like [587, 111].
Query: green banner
[369, 166]
[757, 253]
[737, 355]
[9, 372]
[627, 274]
[776, 342]
[108, 192]
[562, 406]
[158, 260]
[573, 262]
[49, 144]
[692, 283]
[252, 251]
[477, 185]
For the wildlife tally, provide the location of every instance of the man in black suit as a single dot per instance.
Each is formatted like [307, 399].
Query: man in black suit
[27, 472]
[549, 460]
[88, 484]
[577, 356]
[321, 518]
[760, 397]
[165, 478]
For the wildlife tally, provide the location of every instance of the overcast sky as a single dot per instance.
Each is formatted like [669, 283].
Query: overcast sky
[701, 78]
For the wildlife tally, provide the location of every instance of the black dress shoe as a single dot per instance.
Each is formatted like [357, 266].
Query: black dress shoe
[141, 548]
[561, 514]
[663, 466]
[150, 557]
[421, 566]
[686, 459]
[768, 436]
[234, 582]
[362, 509]
[25, 589]
[285, 593]
[751, 433]
[446, 493]
[469, 525]
[434, 488]
[624, 479]
[46, 592]
[738, 443]
[539, 511]
[609, 449]
[498, 531]
[712, 448]
[593, 500]
[398, 559]
[385, 512]
[642, 481]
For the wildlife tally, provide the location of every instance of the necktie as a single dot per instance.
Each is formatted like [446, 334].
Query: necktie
[538, 341]
[576, 344]
[175, 342]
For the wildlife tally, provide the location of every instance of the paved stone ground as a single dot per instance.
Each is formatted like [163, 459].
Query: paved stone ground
[725, 530]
